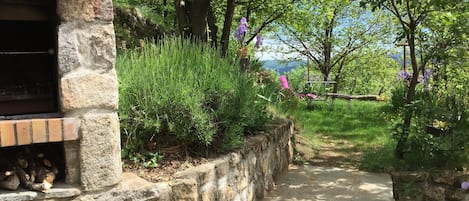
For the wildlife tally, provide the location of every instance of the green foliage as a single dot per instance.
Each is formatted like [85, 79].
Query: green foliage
[380, 158]
[341, 41]
[154, 10]
[146, 159]
[371, 72]
[179, 93]
[438, 136]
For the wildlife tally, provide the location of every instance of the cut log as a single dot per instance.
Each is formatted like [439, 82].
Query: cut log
[357, 97]
[11, 182]
[5, 174]
[25, 178]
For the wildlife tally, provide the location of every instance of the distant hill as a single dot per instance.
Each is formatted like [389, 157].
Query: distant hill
[280, 66]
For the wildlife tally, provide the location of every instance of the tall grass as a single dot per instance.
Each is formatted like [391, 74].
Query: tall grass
[178, 92]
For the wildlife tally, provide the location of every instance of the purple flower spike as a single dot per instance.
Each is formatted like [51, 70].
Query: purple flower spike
[244, 21]
[465, 185]
[242, 30]
[258, 41]
[427, 74]
[238, 35]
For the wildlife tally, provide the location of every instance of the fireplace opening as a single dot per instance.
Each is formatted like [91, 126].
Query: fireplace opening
[28, 59]
[35, 167]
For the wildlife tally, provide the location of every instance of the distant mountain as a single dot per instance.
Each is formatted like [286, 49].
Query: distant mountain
[280, 66]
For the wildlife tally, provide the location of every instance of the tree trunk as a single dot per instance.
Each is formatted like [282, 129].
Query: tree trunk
[165, 12]
[401, 143]
[225, 36]
[337, 77]
[198, 19]
[211, 20]
[182, 20]
[192, 18]
[248, 10]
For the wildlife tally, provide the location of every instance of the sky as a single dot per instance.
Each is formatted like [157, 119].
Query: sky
[273, 49]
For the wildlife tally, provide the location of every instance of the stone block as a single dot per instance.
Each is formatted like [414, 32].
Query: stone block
[184, 189]
[227, 193]
[434, 193]
[86, 45]
[235, 158]
[222, 167]
[208, 192]
[243, 195]
[133, 187]
[250, 191]
[76, 9]
[102, 47]
[100, 151]
[243, 179]
[68, 55]
[89, 90]
[85, 10]
[72, 159]
[445, 177]
[103, 10]
[202, 174]
[251, 159]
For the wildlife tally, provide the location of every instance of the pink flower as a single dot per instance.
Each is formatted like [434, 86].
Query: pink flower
[313, 96]
[284, 82]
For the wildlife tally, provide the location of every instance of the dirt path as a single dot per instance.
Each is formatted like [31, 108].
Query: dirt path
[329, 173]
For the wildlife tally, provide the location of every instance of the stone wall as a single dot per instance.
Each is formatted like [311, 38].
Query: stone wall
[244, 174]
[429, 186]
[88, 91]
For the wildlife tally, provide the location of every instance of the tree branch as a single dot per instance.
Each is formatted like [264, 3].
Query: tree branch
[398, 15]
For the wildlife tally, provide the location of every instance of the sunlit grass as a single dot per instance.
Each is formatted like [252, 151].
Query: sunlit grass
[360, 123]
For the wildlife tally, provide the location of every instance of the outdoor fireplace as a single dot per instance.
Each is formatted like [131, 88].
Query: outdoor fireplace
[58, 89]
[28, 43]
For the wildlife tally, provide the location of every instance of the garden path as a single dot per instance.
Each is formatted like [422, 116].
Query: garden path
[329, 174]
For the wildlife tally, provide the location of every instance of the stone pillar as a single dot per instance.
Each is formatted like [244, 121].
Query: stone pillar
[88, 90]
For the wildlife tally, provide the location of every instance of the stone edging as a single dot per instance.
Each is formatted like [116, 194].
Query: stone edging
[434, 185]
[245, 174]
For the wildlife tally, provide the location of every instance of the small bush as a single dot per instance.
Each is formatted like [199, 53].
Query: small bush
[181, 93]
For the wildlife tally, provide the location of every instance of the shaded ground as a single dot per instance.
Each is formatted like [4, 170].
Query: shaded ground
[331, 184]
[329, 173]
[330, 153]
[167, 167]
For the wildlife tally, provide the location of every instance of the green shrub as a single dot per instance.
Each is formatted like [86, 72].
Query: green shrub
[181, 93]
[438, 136]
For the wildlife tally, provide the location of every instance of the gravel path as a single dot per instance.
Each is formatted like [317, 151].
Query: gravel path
[315, 183]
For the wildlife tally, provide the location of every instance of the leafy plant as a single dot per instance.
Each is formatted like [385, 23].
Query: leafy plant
[179, 93]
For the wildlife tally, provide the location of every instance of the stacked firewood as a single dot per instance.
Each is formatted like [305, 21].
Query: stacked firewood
[26, 169]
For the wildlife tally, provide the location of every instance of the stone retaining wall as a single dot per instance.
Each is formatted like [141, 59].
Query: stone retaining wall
[244, 174]
[429, 186]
